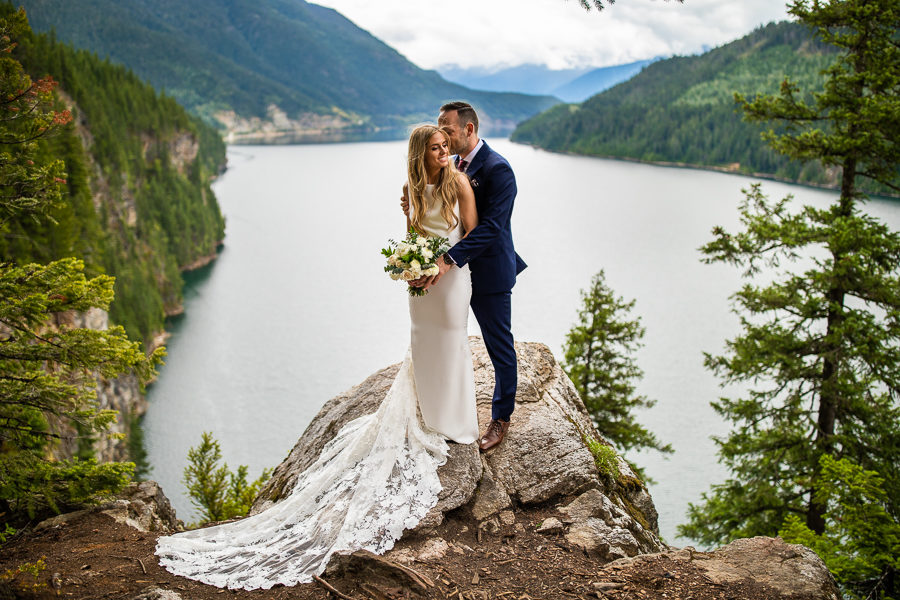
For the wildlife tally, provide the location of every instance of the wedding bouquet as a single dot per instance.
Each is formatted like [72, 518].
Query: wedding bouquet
[414, 257]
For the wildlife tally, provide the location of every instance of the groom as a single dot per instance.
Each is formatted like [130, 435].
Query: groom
[489, 252]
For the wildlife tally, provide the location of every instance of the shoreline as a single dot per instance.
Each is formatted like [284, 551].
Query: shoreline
[726, 170]
[299, 138]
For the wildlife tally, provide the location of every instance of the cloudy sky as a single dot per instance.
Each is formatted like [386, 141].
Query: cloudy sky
[556, 33]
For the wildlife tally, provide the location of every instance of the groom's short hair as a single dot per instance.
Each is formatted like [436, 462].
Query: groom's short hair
[464, 111]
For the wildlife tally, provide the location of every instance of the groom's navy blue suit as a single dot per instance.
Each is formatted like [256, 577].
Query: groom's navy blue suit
[494, 264]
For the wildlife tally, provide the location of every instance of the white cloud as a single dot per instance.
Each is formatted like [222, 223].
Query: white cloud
[557, 33]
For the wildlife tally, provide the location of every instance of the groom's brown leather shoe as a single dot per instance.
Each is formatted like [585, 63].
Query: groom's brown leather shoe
[494, 434]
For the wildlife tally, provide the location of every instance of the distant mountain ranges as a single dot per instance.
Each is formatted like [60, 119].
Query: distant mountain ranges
[269, 70]
[682, 110]
[569, 85]
[287, 70]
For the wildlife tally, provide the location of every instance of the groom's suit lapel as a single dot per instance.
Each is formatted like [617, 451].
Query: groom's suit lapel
[475, 167]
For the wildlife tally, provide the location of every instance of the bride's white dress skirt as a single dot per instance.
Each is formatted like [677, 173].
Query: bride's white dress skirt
[375, 479]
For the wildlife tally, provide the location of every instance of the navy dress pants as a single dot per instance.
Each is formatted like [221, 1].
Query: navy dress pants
[494, 315]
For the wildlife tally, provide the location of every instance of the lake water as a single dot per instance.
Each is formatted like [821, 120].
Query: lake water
[297, 308]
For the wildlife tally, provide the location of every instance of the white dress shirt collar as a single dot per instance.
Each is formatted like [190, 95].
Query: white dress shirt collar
[471, 155]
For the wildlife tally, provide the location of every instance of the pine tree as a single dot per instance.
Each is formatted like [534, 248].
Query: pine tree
[820, 345]
[599, 359]
[214, 489]
[861, 543]
[48, 370]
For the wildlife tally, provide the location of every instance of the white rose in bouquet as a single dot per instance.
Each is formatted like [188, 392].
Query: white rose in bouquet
[420, 252]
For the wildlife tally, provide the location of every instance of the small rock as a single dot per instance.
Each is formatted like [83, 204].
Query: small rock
[145, 507]
[550, 525]
[589, 504]
[433, 549]
[507, 517]
[490, 526]
[155, 593]
[599, 539]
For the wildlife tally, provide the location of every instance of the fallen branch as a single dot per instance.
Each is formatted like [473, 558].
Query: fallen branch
[331, 588]
[418, 579]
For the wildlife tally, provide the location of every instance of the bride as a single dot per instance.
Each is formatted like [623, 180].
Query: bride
[378, 476]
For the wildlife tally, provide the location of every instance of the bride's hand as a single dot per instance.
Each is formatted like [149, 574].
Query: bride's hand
[421, 281]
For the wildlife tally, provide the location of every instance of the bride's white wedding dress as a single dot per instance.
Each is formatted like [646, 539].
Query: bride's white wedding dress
[375, 479]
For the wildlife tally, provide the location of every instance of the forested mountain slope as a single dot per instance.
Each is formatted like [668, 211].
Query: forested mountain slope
[281, 61]
[137, 203]
[682, 110]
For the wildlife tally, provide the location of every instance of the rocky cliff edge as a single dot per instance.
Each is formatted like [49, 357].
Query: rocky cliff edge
[532, 519]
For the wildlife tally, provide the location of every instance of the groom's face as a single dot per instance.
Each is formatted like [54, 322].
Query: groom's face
[459, 142]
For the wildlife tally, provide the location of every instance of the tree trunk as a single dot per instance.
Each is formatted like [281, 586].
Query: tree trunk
[829, 398]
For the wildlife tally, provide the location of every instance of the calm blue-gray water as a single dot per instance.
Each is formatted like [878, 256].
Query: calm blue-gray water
[297, 308]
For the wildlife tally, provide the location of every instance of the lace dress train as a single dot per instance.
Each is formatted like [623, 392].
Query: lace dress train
[375, 479]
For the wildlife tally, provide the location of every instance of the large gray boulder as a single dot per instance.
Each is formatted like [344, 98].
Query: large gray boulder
[770, 566]
[544, 459]
[794, 570]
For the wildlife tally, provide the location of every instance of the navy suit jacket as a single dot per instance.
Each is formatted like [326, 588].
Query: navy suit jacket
[488, 249]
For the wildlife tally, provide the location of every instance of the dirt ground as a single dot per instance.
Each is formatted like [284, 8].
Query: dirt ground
[96, 558]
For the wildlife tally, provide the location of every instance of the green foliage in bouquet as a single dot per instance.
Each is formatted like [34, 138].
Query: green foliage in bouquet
[414, 258]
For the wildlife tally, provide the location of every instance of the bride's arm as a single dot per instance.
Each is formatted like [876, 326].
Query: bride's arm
[467, 211]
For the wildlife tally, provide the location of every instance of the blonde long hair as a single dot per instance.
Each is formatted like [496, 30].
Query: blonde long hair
[446, 188]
